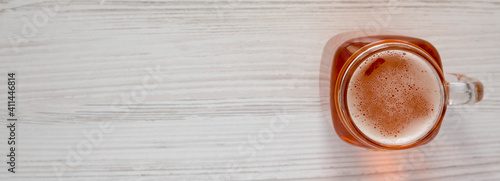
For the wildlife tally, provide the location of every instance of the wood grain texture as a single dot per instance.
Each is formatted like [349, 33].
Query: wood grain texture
[196, 90]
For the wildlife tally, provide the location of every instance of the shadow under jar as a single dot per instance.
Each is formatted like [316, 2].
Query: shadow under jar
[389, 92]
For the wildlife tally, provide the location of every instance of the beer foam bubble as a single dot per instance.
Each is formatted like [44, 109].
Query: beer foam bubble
[394, 97]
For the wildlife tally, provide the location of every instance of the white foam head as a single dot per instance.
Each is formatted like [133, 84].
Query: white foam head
[394, 97]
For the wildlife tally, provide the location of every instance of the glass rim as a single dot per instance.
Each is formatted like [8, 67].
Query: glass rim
[352, 64]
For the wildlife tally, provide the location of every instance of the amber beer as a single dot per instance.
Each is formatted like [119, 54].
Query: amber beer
[394, 97]
[388, 91]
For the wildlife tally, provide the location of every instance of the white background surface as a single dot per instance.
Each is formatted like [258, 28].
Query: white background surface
[219, 74]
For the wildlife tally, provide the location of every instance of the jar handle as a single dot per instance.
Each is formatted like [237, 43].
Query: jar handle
[463, 89]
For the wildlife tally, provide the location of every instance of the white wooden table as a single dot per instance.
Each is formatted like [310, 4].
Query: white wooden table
[225, 90]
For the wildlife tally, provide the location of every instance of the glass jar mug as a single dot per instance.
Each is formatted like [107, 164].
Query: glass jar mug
[389, 92]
